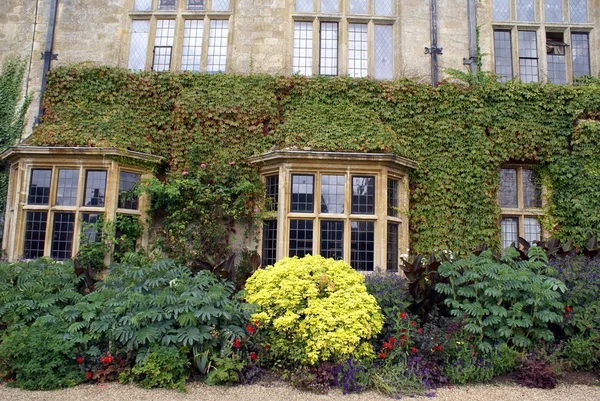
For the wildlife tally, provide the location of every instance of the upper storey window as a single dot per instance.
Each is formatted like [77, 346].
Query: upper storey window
[354, 37]
[523, 27]
[179, 35]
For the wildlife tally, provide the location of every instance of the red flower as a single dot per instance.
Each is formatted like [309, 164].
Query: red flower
[439, 348]
[79, 360]
[250, 329]
[568, 309]
[103, 360]
[383, 355]
[566, 315]
[256, 322]
[420, 330]
[252, 356]
[392, 340]
[402, 343]
[88, 375]
[414, 350]
[403, 330]
[109, 359]
[413, 323]
[402, 315]
[388, 346]
[403, 337]
[236, 343]
[267, 346]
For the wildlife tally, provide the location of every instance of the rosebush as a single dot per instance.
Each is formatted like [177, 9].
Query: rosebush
[314, 309]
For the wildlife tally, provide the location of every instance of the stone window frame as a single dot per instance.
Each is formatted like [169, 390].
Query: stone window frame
[521, 212]
[542, 27]
[24, 159]
[343, 18]
[180, 15]
[286, 163]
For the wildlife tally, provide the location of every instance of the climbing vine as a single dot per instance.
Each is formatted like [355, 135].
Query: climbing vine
[460, 133]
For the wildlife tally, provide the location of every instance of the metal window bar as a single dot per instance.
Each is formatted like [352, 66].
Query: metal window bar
[128, 185]
[95, 188]
[509, 231]
[162, 58]
[302, 193]
[39, 187]
[357, 50]
[191, 51]
[328, 55]
[35, 234]
[332, 193]
[217, 46]
[269, 243]
[302, 57]
[363, 195]
[62, 235]
[507, 195]
[503, 55]
[392, 198]
[393, 243]
[362, 245]
[528, 57]
[301, 238]
[332, 239]
[272, 192]
[580, 48]
[66, 193]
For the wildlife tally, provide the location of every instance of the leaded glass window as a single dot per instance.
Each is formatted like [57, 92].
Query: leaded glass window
[269, 243]
[302, 57]
[328, 59]
[39, 187]
[217, 46]
[503, 55]
[363, 195]
[62, 235]
[302, 193]
[528, 57]
[301, 238]
[580, 47]
[332, 193]
[332, 239]
[128, 185]
[501, 10]
[362, 245]
[384, 52]
[35, 234]
[66, 192]
[95, 188]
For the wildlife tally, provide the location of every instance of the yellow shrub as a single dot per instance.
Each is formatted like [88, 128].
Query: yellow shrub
[314, 309]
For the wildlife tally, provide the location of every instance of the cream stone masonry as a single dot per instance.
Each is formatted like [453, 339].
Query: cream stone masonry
[22, 160]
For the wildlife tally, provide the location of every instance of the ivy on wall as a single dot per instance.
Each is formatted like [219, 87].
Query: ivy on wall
[459, 133]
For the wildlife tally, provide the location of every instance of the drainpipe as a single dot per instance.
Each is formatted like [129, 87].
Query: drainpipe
[47, 56]
[434, 50]
[472, 20]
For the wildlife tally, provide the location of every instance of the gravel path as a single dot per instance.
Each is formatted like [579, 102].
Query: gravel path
[282, 392]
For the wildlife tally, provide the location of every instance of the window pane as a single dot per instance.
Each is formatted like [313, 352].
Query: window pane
[332, 193]
[269, 243]
[138, 45]
[553, 10]
[167, 4]
[302, 193]
[533, 231]
[302, 63]
[220, 5]
[501, 10]
[392, 246]
[195, 4]
[528, 63]
[142, 5]
[217, 46]
[525, 11]
[95, 187]
[328, 60]
[392, 198]
[66, 194]
[163, 45]
[357, 50]
[578, 10]
[363, 195]
[191, 51]
[557, 72]
[272, 184]
[580, 46]
[383, 7]
[304, 6]
[91, 226]
[362, 245]
[329, 6]
[39, 187]
[508, 188]
[503, 55]
[532, 190]
[35, 234]
[62, 235]
[358, 6]
[332, 239]
[128, 184]
[384, 51]
[301, 237]
[509, 228]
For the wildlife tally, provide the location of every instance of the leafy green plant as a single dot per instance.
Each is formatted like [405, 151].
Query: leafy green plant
[389, 290]
[469, 366]
[396, 379]
[314, 310]
[38, 357]
[161, 366]
[422, 275]
[504, 299]
[582, 352]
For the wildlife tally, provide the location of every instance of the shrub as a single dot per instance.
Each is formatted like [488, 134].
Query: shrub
[352, 376]
[389, 289]
[396, 379]
[37, 290]
[38, 357]
[314, 309]
[162, 366]
[318, 379]
[504, 300]
[536, 373]
[581, 276]
[582, 353]
[469, 366]
[504, 359]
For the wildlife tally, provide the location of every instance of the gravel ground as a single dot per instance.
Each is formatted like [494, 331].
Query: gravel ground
[282, 392]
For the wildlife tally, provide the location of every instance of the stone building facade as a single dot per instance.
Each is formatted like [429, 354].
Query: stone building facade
[384, 39]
